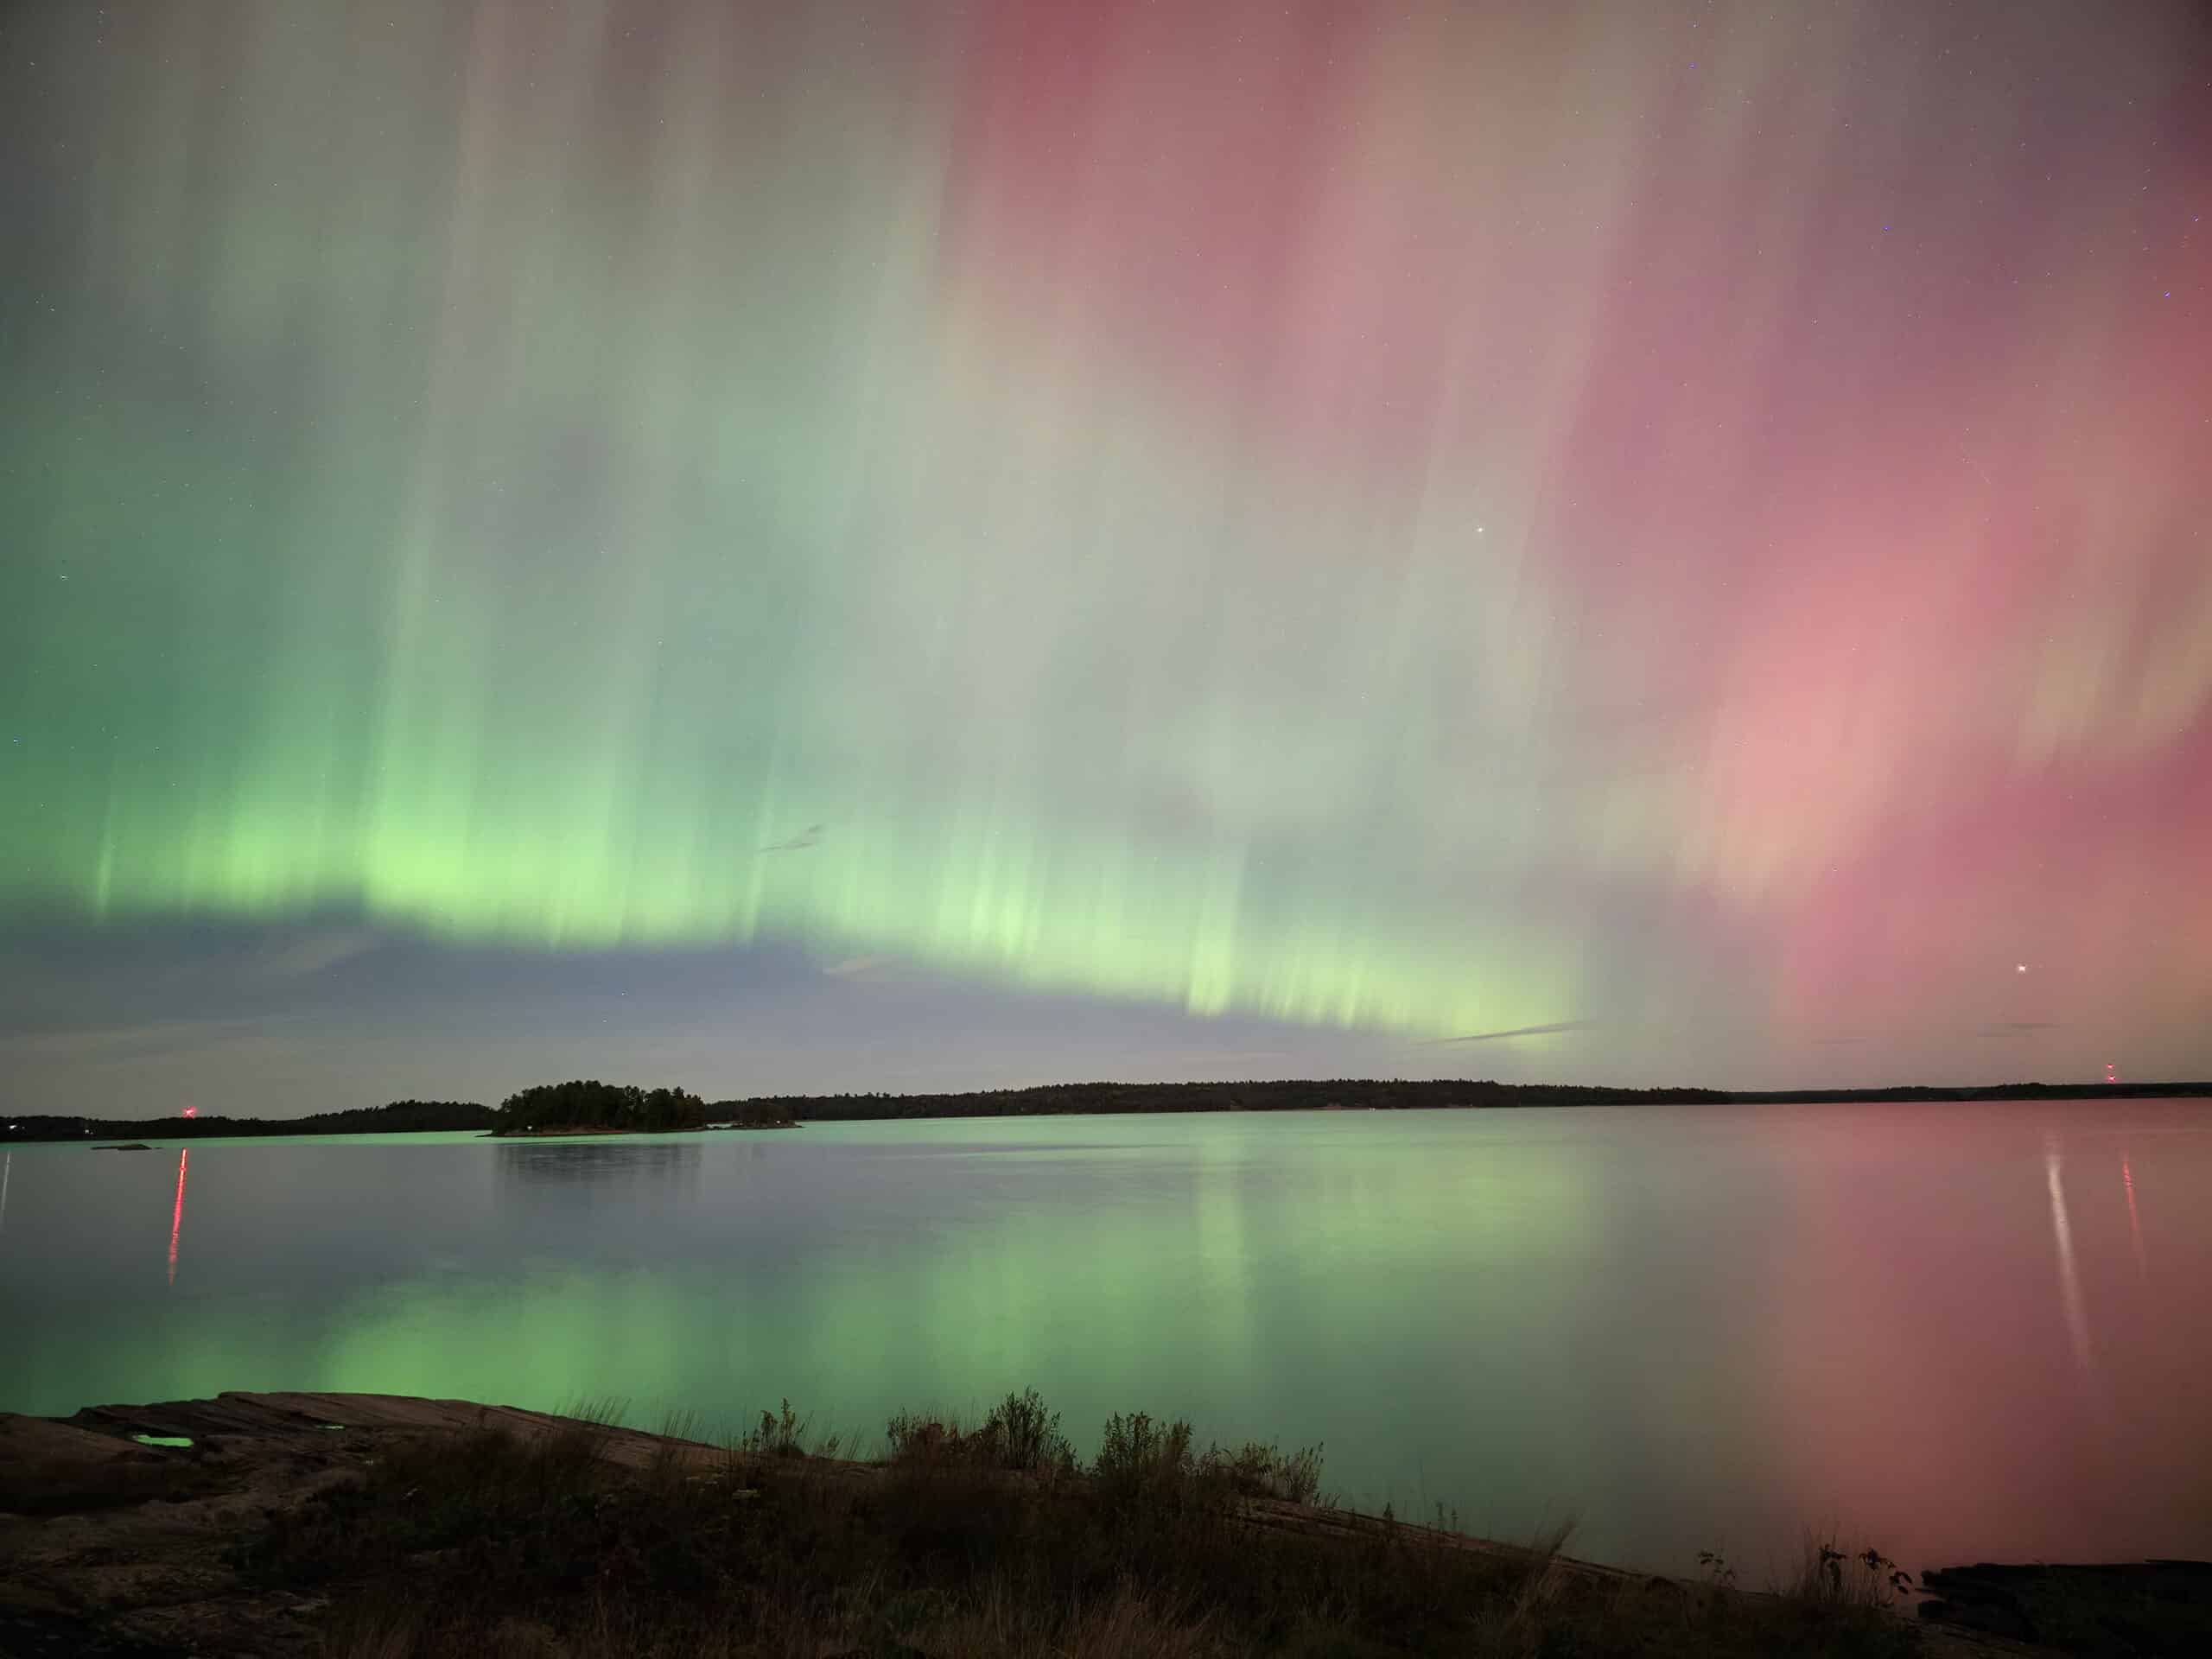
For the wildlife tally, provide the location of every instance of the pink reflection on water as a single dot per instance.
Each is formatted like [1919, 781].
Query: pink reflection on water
[2134, 1224]
[2070, 1281]
[176, 1215]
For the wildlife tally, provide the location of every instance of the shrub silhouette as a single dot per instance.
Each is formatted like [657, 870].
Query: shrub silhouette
[1019, 1435]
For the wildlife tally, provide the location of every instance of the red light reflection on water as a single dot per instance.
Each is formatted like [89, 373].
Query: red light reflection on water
[2134, 1224]
[176, 1216]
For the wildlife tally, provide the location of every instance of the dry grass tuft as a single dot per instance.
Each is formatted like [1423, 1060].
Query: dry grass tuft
[993, 1542]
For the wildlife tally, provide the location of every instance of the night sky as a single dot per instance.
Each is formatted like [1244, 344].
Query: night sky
[817, 547]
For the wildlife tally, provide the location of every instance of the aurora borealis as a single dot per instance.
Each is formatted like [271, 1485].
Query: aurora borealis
[1291, 537]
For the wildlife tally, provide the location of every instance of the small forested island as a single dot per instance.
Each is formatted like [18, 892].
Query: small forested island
[586, 1106]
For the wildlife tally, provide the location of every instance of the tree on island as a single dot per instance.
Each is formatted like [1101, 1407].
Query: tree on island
[591, 1105]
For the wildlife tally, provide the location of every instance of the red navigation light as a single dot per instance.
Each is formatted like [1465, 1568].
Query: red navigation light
[191, 1111]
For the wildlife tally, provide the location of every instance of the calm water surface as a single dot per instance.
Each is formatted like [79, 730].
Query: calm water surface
[1961, 1332]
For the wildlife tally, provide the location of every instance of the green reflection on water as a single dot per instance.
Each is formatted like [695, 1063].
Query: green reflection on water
[1674, 1324]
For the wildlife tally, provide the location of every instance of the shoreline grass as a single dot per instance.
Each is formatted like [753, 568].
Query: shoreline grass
[993, 1539]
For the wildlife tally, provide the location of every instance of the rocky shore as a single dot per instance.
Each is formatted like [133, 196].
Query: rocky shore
[147, 1530]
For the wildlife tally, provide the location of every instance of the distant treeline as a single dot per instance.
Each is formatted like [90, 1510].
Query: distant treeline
[587, 1103]
[592, 1104]
[401, 1117]
[1308, 1095]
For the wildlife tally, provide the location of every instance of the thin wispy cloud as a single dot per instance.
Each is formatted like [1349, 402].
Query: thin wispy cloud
[156, 1038]
[852, 967]
[298, 958]
[807, 837]
[1551, 1030]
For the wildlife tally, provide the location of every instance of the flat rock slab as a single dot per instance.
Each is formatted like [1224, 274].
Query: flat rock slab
[301, 1421]
[110, 1545]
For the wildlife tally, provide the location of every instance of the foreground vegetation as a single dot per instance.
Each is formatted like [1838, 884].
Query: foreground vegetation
[995, 1542]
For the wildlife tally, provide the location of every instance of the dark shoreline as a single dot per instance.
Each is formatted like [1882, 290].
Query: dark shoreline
[1091, 1099]
[1307, 1095]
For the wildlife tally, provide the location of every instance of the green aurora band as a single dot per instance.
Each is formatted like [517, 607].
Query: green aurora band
[522, 552]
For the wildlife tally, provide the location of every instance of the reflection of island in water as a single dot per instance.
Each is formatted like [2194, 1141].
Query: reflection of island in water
[596, 1163]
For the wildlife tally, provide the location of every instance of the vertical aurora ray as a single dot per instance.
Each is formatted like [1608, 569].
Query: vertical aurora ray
[1429, 522]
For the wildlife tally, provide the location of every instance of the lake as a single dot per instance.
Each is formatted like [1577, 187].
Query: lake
[1957, 1332]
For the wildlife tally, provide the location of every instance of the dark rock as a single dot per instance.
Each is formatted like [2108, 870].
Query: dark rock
[2115, 1610]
